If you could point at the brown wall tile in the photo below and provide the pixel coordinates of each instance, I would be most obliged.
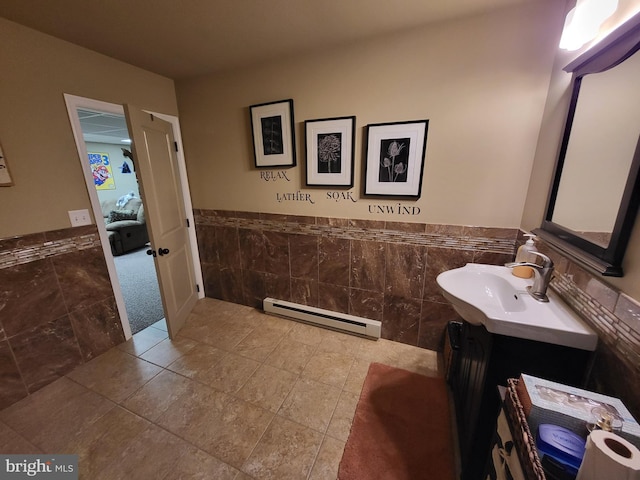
(97, 328)
(12, 387)
(46, 352)
(83, 277)
(333, 297)
(252, 249)
(304, 256)
(333, 261)
(276, 247)
(29, 296)
(440, 260)
(366, 304)
(367, 265)
(401, 319)
(304, 291)
(405, 270)
(228, 246)
(433, 321)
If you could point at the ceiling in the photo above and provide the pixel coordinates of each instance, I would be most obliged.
(103, 127)
(182, 39)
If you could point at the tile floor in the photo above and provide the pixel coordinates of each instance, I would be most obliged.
(238, 395)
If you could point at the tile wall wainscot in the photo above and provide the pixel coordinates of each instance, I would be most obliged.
(374, 269)
(57, 308)
(614, 316)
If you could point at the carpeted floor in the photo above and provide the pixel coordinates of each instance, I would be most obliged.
(401, 429)
(137, 275)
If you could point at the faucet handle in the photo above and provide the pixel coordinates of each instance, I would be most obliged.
(548, 263)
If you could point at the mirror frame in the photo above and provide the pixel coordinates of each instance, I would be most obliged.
(612, 51)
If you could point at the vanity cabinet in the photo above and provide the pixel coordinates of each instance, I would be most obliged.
(479, 362)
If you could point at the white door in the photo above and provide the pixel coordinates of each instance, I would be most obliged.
(154, 151)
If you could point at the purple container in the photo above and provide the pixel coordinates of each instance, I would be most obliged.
(561, 444)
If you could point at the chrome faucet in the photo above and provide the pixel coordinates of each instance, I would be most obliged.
(542, 276)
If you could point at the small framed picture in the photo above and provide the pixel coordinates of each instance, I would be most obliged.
(330, 144)
(394, 158)
(5, 175)
(272, 129)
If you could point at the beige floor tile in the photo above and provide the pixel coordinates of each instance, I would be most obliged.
(225, 335)
(328, 460)
(197, 360)
(273, 322)
(106, 440)
(156, 396)
(340, 424)
(357, 375)
(307, 334)
(234, 430)
(195, 464)
(259, 344)
(149, 455)
(291, 355)
(328, 367)
(168, 351)
(143, 341)
(229, 374)
(268, 387)
(338, 342)
(286, 451)
(311, 404)
(53, 415)
(219, 424)
(115, 374)
(12, 443)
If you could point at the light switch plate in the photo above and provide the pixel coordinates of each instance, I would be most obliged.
(79, 217)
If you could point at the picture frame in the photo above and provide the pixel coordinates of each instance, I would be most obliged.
(5, 174)
(273, 134)
(394, 158)
(330, 147)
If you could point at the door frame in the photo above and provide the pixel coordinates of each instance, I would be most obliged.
(74, 102)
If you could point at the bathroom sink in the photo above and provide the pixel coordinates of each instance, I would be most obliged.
(492, 296)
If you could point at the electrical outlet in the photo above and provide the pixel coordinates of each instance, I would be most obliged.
(79, 217)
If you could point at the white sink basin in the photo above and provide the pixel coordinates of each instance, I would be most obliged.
(492, 296)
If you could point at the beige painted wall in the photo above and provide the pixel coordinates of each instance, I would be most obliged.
(481, 81)
(548, 145)
(35, 132)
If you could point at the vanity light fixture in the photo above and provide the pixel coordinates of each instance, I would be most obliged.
(583, 22)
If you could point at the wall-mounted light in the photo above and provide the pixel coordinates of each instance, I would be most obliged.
(584, 20)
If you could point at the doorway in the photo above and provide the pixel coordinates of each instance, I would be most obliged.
(101, 127)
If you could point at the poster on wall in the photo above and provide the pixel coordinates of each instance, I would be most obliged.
(102, 171)
(272, 129)
(395, 158)
(5, 176)
(330, 144)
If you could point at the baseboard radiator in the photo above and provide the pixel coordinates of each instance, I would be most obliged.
(323, 318)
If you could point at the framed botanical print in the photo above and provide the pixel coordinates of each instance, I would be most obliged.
(394, 158)
(330, 144)
(272, 129)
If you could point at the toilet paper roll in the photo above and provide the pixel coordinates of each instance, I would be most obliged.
(609, 456)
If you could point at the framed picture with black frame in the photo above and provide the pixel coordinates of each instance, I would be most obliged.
(394, 158)
(330, 145)
(273, 134)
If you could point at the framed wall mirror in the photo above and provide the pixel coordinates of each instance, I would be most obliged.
(593, 201)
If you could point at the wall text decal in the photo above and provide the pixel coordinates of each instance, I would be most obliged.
(271, 176)
(296, 196)
(339, 196)
(398, 209)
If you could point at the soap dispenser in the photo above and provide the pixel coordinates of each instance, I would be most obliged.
(524, 255)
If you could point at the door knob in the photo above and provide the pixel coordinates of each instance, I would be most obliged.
(163, 251)
(151, 252)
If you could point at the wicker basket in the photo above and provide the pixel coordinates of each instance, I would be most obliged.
(524, 441)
